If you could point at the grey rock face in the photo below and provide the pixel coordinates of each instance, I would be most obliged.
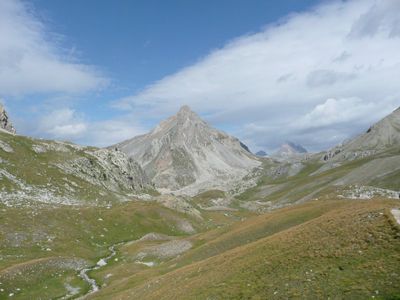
(111, 169)
(380, 136)
(185, 154)
(66, 174)
(5, 123)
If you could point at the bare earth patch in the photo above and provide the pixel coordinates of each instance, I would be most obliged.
(166, 250)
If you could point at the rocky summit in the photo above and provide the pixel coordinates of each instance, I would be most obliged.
(186, 155)
(5, 123)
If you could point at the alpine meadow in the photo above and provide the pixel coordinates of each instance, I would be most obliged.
(199, 149)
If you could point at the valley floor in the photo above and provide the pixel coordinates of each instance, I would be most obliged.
(335, 248)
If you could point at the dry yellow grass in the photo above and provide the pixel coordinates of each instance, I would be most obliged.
(347, 249)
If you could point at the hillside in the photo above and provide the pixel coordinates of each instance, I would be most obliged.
(44, 249)
(324, 249)
(63, 173)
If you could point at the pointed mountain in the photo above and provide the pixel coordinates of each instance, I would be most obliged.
(5, 123)
(382, 135)
(185, 154)
(290, 149)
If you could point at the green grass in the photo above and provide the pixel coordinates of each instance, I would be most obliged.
(84, 233)
(41, 170)
(351, 251)
(305, 184)
(390, 181)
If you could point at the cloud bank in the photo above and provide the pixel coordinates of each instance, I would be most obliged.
(32, 59)
(35, 66)
(315, 77)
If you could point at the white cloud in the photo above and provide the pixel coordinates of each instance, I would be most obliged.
(263, 83)
(32, 60)
(338, 111)
(382, 17)
(319, 78)
(63, 123)
(110, 132)
(326, 124)
(68, 124)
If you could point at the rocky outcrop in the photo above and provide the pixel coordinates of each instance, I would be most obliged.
(39, 172)
(185, 155)
(110, 169)
(5, 123)
(368, 192)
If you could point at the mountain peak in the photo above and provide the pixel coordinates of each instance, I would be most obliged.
(185, 112)
(5, 123)
(184, 154)
(290, 148)
(185, 109)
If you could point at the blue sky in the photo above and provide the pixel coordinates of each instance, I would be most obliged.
(98, 72)
(139, 42)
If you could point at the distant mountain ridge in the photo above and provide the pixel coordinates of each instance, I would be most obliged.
(290, 148)
(185, 154)
(261, 153)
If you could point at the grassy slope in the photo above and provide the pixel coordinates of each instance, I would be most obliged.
(39, 168)
(306, 185)
(206, 244)
(351, 250)
(37, 239)
(84, 233)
